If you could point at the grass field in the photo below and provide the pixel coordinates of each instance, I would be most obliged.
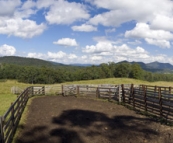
(6, 97)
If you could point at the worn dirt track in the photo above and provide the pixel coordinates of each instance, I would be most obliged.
(57, 119)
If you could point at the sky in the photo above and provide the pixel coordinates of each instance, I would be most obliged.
(87, 31)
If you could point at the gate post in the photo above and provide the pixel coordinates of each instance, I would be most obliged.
(160, 101)
(1, 130)
(123, 94)
(119, 94)
(62, 90)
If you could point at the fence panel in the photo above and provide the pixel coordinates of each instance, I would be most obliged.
(9, 121)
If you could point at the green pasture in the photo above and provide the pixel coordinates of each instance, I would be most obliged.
(6, 97)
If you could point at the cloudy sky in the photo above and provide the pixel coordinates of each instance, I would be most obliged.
(87, 31)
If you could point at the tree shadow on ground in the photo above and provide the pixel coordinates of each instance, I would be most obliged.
(74, 126)
(94, 124)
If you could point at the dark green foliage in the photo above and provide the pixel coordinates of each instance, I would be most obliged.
(136, 71)
(45, 74)
(122, 70)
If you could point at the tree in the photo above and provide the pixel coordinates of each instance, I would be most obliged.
(136, 71)
(105, 68)
(122, 70)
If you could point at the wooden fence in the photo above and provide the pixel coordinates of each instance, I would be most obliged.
(9, 121)
(155, 100)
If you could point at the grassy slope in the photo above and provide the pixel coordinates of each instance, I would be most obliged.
(122, 81)
(6, 97)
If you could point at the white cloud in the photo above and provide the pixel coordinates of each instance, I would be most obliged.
(60, 57)
(66, 42)
(162, 22)
(98, 48)
(110, 30)
(84, 28)
(36, 55)
(44, 3)
(27, 9)
(136, 42)
(72, 56)
(8, 7)
(57, 55)
(96, 58)
(121, 11)
(28, 4)
(110, 52)
(160, 43)
(63, 12)
(155, 37)
(21, 28)
(143, 30)
(7, 50)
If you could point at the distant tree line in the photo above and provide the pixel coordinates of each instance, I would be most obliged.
(50, 75)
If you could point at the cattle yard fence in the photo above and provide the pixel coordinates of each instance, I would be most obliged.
(155, 100)
(10, 120)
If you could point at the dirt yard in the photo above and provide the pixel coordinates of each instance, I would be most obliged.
(57, 119)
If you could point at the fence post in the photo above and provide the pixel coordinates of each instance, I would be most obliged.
(119, 94)
(77, 90)
(1, 130)
(170, 90)
(32, 91)
(43, 90)
(160, 101)
(123, 94)
(97, 92)
(132, 94)
(145, 97)
(12, 120)
(109, 94)
(62, 90)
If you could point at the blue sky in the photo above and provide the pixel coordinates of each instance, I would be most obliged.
(87, 31)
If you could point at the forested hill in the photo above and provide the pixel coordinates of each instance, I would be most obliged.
(154, 66)
(30, 70)
(27, 61)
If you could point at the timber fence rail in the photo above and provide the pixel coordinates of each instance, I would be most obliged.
(155, 100)
(10, 120)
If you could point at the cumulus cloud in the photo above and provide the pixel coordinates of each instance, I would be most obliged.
(64, 12)
(66, 42)
(36, 55)
(160, 43)
(8, 7)
(59, 56)
(21, 28)
(109, 51)
(84, 28)
(44, 3)
(7, 50)
(156, 37)
(98, 48)
(162, 22)
(118, 9)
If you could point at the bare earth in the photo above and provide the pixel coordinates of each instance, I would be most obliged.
(57, 119)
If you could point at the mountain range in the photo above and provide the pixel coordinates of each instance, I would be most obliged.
(152, 67)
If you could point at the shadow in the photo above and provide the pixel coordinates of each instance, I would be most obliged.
(66, 136)
(41, 134)
(83, 126)
(98, 125)
(33, 135)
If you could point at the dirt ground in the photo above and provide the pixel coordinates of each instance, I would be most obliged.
(57, 119)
